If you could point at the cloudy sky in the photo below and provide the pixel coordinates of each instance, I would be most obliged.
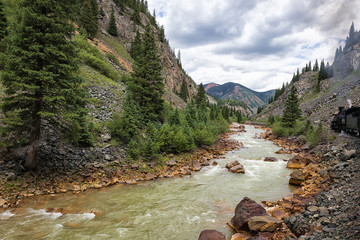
(257, 43)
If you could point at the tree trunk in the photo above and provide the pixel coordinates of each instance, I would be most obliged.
(31, 160)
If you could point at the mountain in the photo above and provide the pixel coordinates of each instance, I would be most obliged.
(321, 102)
(239, 92)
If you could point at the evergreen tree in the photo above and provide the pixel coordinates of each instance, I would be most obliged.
(40, 76)
(136, 16)
(201, 96)
(292, 110)
(351, 39)
(125, 127)
(162, 34)
(112, 29)
(3, 23)
(309, 66)
(136, 46)
(147, 84)
(322, 73)
(316, 66)
(175, 118)
(184, 92)
(88, 17)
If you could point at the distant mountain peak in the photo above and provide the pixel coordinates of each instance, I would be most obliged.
(236, 91)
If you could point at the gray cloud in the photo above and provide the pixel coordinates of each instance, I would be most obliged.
(246, 41)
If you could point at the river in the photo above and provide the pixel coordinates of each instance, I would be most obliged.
(177, 208)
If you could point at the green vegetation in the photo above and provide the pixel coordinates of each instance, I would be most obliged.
(117, 45)
(184, 92)
(112, 29)
(292, 111)
(92, 57)
(40, 77)
(89, 17)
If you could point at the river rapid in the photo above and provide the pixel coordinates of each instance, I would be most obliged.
(177, 208)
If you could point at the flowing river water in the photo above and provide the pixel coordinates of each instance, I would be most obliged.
(177, 208)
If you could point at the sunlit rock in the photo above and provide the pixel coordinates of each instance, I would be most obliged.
(263, 223)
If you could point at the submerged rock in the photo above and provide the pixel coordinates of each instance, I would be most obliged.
(211, 235)
(246, 209)
(270, 159)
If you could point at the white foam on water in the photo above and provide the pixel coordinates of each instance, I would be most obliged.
(193, 219)
(148, 215)
(82, 216)
(6, 215)
(210, 220)
(42, 212)
(122, 231)
(213, 171)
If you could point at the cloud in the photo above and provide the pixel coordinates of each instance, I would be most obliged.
(257, 43)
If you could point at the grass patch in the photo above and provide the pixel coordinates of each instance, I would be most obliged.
(118, 47)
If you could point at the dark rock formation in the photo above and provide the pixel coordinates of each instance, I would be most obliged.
(246, 209)
(211, 235)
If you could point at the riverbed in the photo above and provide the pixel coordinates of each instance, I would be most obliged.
(176, 208)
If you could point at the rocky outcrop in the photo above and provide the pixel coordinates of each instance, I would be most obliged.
(264, 223)
(211, 235)
(246, 209)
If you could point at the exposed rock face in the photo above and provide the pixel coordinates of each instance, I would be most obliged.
(263, 223)
(211, 235)
(246, 209)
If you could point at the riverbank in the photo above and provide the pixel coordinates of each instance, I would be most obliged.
(325, 206)
(51, 183)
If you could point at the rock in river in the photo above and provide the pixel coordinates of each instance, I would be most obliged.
(270, 159)
(211, 235)
(237, 169)
(246, 209)
(296, 178)
(232, 164)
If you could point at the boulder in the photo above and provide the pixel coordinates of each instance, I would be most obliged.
(270, 159)
(232, 164)
(246, 209)
(281, 151)
(171, 162)
(237, 169)
(297, 162)
(211, 235)
(297, 177)
(239, 236)
(196, 166)
(263, 223)
(215, 163)
(185, 171)
(2, 202)
(279, 213)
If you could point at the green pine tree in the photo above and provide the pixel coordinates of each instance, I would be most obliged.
(147, 84)
(136, 16)
(89, 17)
(3, 22)
(184, 92)
(40, 75)
(136, 46)
(292, 111)
(112, 29)
(201, 96)
(316, 66)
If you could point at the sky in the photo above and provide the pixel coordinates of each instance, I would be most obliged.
(257, 43)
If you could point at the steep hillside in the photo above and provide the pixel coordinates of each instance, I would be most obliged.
(238, 92)
(126, 28)
(334, 92)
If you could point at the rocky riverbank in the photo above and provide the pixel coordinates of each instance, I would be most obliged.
(325, 206)
(50, 182)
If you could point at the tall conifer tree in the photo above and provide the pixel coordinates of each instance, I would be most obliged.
(40, 74)
(112, 29)
(184, 92)
(89, 17)
(147, 84)
(292, 110)
(3, 22)
(136, 46)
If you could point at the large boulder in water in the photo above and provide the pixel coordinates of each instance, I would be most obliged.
(232, 164)
(237, 169)
(246, 209)
(211, 235)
